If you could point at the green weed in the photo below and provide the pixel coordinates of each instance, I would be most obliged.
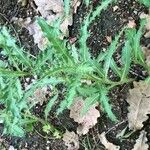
(62, 63)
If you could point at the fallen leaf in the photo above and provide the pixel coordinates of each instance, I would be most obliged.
(49, 6)
(53, 9)
(11, 148)
(109, 39)
(75, 4)
(39, 96)
(147, 54)
(147, 27)
(71, 140)
(141, 142)
(131, 24)
(106, 143)
(85, 121)
(139, 101)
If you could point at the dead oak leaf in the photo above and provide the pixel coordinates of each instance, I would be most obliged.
(141, 142)
(139, 101)
(71, 140)
(85, 121)
(106, 143)
(147, 27)
(131, 24)
(39, 96)
(146, 52)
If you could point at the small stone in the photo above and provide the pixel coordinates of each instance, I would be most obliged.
(115, 8)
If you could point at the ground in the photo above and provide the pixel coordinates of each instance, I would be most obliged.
(107, 25)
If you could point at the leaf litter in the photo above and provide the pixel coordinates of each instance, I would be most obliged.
(71, 140)
(139, 101)
(85, 121)
(141, 142)
(53, 9)
(139, 96)
(106, 143)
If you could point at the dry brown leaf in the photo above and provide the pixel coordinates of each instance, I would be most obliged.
(147, 54)
(23, 2)
(49, 6)
(139, 101)
(53, 9)
(86, 121)
(71, 140)
(141, 142)
(11, 148)
(39, 96)
(131, 24)
(107, 144)
(109, 39)
(147, 16)
(75, 4)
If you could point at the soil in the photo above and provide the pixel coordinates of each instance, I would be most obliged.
(108, 24)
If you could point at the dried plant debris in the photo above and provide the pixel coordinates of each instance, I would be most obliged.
(39, 96)
(23, 2)
(141, 142)
(147, 54)
(71, 140)
(139, 101)
(85, 121)
(106, 143)
(53, 9)
(147, 27)
(12, 148)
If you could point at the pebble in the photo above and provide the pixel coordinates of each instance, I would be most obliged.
(115, 8)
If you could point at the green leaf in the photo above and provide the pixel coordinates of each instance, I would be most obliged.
(126, 60)
(145, 2)
(101, 57)
(115, 68)
(67, 7)
(134, 38)
(89, 102)
(42, 57)
(87, 91)
(49, 105)
(104, 101)
(87, 2)
(11, 49)
(39, 84)
(75, 54)
(99, 9)
(58, 44)
(110, 52)
(62, 107)
(8, 73)
(84, 50)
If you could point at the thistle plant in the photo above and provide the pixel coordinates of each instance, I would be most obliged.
(62, 63)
